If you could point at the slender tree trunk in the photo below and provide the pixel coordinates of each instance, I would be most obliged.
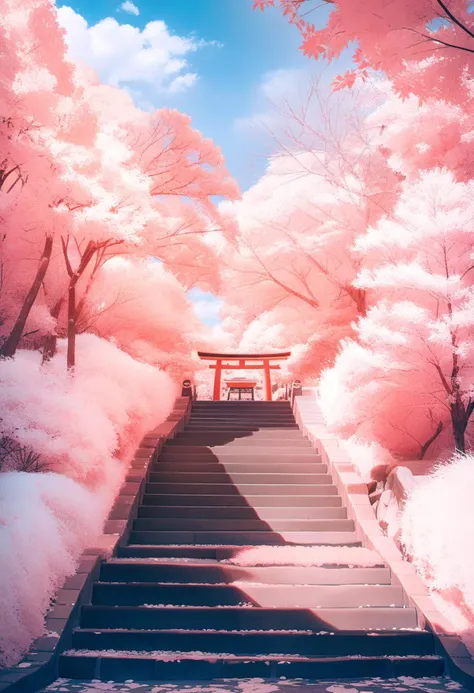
(71, 325)
(50, 341)
(430, 440)
(11, 344)
(74, 277)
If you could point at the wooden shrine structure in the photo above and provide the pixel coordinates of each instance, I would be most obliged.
(244, 362)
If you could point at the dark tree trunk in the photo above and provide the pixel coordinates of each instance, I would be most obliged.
(460, 415)
(459, 428)
(13, 340)
(50, 341)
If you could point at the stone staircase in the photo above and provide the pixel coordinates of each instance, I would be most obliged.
(193, 595)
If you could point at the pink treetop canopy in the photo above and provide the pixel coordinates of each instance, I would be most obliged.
(425, 47)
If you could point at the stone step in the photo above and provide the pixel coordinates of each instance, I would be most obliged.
(182, 554)
(231, 467)
(224, 573)
(216, 438)
(248, 538)
(223, 512)
(250, 452)
(260, 595)
(169, 666)
(286, 428)
(251, 500)
(244, 455)
(252, 418)
(242, 425)
(237, 478)
(253, 433)
(238, 643)
(192, 524)
(240, 489)
(235, 618)
(197, 441)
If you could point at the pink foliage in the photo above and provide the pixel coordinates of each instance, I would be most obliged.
(410, 367)
(78, 424)
(424, 47)
(37, 555)
(137, 303)
(289, 271)
(438, 529)
(86, 429)
(86, 171)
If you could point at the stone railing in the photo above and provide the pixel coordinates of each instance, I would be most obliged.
(459, 662)
(38, 668)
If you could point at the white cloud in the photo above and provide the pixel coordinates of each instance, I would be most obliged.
(275, 87)
(129, 7)
(125, 55)
(182, 82)
(207, 311)
(206, 306)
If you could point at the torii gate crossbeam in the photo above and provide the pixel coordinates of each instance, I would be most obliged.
(243, 362)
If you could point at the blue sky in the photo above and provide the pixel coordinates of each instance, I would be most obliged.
(217, 60)
(244, 52)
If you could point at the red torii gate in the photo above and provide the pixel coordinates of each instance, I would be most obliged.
(239, 362)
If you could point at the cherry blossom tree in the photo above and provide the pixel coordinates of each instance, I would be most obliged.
(409, 375)
(81, 185)
(292, 262)
(30, 209)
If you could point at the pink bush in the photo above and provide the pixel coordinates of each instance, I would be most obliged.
(437, 528)
(85, 427)
(46, 521)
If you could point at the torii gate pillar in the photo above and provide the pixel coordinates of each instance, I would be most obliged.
(217, 381)
(243, 362)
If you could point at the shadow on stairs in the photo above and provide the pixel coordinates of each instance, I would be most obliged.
(243, 563)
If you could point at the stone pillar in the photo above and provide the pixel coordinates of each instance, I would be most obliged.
(296, 389)
(187, 389)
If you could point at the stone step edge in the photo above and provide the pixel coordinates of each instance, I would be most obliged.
(322, 634)
(226, 608)
(135, 654)
(215, 666)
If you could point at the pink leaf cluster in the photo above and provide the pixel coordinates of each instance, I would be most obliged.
(425, 47)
